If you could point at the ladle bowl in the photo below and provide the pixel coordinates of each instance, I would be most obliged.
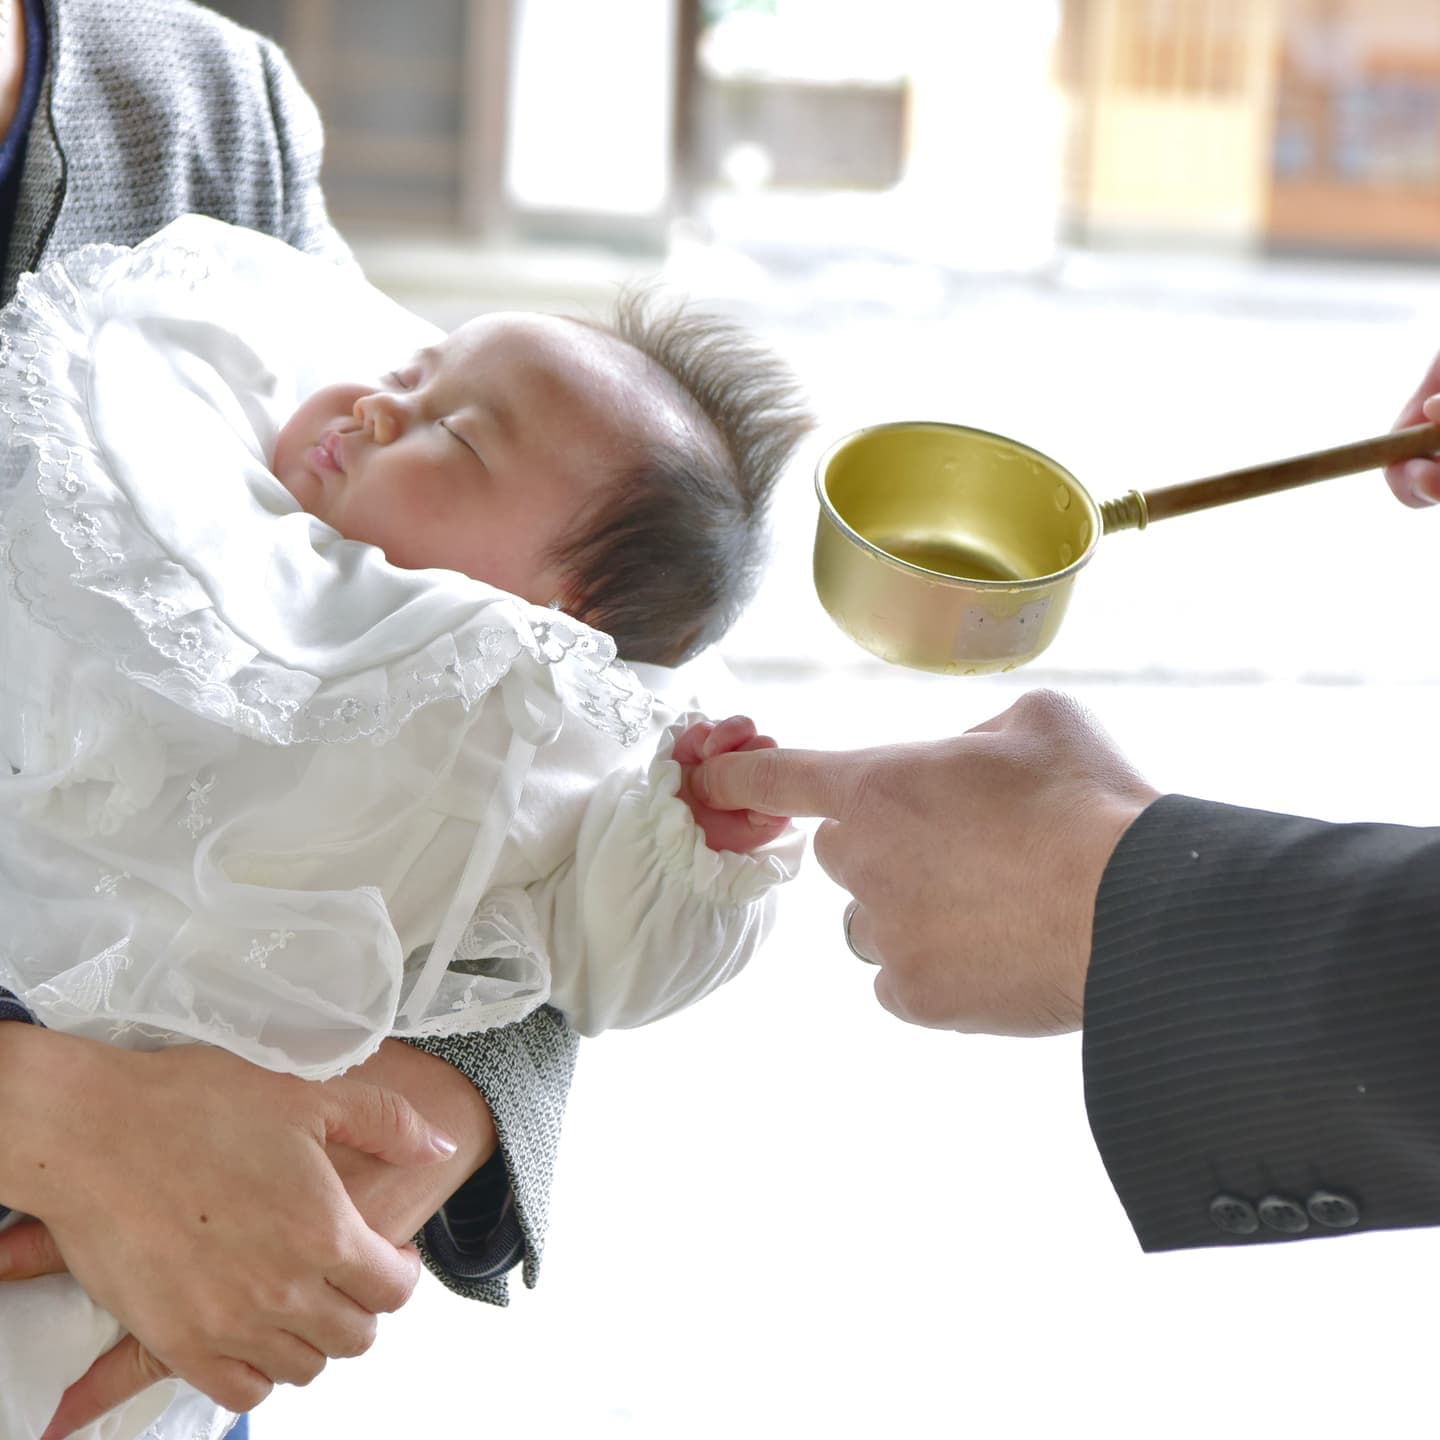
(950, 549)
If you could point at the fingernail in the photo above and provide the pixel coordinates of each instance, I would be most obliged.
(759, 820)
(1431, 408)
(444, 1145)
(1426, 486)
(698, 786)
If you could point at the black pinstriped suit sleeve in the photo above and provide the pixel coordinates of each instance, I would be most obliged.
(1262, 1018)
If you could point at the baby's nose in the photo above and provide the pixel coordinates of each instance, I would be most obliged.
(380, 417)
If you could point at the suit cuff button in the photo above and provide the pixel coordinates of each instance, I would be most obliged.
(1233, 1215)
(1336, 1212)
(1276, 1212)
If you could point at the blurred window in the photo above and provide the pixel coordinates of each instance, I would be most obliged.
(389, 81)
(1182, 46)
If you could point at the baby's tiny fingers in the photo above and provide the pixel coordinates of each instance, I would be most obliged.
(729, 735)
(765, 828)
(689, 744)
(759, 742)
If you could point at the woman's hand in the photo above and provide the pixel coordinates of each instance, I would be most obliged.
(190, 1193)
(397, 1201)
(740, 830)
(1417, 482)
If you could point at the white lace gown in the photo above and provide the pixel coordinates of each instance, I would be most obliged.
(262, 790)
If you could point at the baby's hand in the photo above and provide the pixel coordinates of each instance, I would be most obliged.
(741, 830)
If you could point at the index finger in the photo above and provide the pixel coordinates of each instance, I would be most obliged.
(782, 782)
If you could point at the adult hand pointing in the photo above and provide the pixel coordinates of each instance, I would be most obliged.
(974, 861)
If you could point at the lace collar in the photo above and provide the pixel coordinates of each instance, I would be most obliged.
(128, 579)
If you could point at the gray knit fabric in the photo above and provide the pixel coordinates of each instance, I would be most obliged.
(155, 108)
(524, 1071)
(152, 108)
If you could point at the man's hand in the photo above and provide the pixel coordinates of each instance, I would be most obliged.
(191, 1195)
(975, 861)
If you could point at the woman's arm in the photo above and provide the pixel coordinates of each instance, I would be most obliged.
(396, 1202)
(498, 1218)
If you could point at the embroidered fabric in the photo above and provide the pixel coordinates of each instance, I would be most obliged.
(186, 659)
(179, 642)
(501, 954)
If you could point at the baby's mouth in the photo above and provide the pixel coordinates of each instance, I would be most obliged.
(328, 454)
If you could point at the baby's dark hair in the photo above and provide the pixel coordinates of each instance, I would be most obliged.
(672, 554)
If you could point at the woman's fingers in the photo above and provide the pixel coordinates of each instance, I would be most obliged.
(129, 1368)
(27, 1250)
(379, 1277)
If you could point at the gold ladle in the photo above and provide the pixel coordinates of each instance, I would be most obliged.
(950, 549)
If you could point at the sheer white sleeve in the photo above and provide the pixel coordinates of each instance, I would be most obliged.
(646, 918)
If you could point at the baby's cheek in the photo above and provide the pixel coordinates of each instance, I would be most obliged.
(293, 475)
(282, 458)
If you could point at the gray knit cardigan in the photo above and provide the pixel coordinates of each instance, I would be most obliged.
(152, 108)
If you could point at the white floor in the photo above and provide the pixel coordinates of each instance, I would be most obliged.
(783, 1213)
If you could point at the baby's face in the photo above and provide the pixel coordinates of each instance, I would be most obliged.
(478, 454)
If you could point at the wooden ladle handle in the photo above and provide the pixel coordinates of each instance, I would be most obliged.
(1137, 508)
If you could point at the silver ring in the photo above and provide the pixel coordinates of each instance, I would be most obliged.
(850, 910)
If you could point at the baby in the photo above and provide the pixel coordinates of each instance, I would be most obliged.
(310, 733)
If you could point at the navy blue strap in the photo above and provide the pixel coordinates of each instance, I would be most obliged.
(476, 1235)
(12, 146)
(12, 1009)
